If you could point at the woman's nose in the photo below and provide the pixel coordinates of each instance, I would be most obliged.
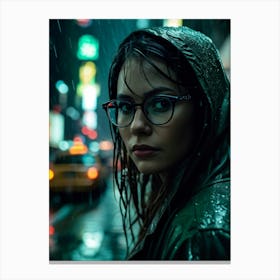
(139, 123)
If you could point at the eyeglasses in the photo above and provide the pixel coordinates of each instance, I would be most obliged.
(157, 109)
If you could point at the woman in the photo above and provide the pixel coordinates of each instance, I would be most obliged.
(169, 109)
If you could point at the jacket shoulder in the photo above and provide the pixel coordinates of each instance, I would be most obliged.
(211, 207)
(201, 229)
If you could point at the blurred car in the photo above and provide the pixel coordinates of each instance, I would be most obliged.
(77, 171)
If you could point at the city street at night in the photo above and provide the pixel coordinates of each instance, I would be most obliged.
(87, 230)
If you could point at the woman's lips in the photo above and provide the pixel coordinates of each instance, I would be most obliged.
(143, 151)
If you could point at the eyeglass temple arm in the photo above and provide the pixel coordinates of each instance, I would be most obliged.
(186, 97)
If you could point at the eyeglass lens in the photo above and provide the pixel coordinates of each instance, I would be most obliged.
(158, 110)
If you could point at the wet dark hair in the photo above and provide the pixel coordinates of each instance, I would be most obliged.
(146, 46)
(136, 208)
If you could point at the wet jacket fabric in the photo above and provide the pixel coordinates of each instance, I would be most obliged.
(194, 221)
(198, 231)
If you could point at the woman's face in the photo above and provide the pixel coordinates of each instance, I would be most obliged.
(154, 148)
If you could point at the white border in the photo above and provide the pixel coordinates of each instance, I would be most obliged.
(24, 138)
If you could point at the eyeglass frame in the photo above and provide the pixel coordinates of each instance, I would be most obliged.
(172, 98)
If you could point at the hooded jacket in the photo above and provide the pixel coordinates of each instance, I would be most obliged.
(194, 221)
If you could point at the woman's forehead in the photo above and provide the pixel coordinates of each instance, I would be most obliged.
(138, 72)
(142, 65)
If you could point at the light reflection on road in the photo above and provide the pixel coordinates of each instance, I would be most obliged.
(88, 232)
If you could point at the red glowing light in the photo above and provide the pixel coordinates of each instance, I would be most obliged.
(51, 230)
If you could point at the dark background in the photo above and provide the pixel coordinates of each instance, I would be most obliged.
(64, 64)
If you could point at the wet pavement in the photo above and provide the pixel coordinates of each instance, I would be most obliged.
(87, 231)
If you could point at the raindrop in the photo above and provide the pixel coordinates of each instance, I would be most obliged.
(59, 27)
(54, 49)
(73, 85)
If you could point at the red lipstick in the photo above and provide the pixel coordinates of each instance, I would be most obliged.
(144, 151)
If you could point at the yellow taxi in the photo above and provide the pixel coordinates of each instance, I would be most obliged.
(77, 170)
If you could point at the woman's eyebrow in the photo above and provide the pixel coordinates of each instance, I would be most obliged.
(124, 96)
(149, 93)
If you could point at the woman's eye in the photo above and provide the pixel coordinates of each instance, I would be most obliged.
(160, 104)
(125, 108)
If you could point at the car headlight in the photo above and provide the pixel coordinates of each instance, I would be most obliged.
(92, 173)
(51, 174)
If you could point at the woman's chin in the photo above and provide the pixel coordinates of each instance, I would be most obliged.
(147, 169)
